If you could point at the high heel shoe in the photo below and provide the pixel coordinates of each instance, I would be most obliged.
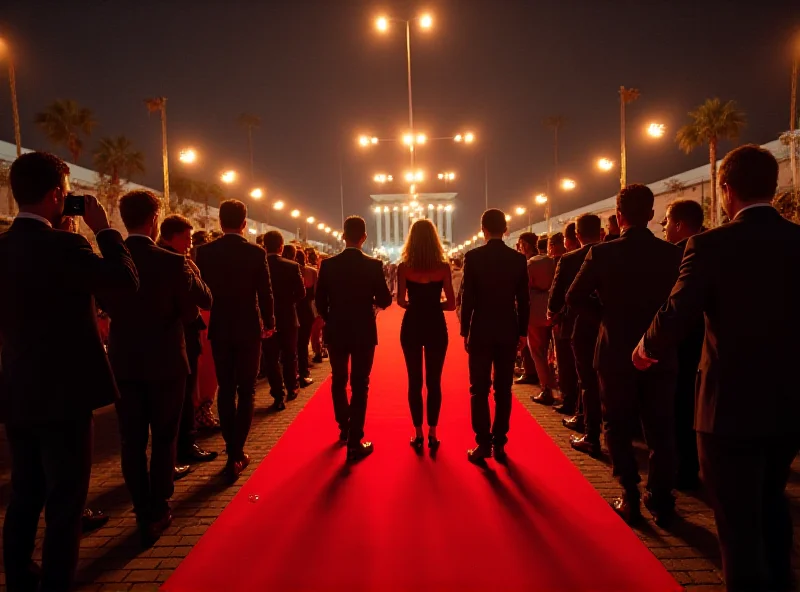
(417, 443)
(433, 443)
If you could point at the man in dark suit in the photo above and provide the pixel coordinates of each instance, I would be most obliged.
(746, 403)
(562, 338)
(280, 350)
(613, 231)
(175, 235)
(684, 219)
(147, 351)
(584, 333)
(241, 316)
(350, 287)
(54, 368)
(494, 323)
(632, 277)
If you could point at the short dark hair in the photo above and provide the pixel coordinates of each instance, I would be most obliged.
(289, 252)
(273, 241)
(556, 239)
(688, 212)
(589, 226)
(635, 202)
(300, 257)
(33, 175)
(494, 221)
(529, 238)
(311, 255)
(751, 172)
(570, 231)
(174, 224)
(137, 207)
(612, 219)
(199, 237)
(232, 214)
(354, 229)
(541, 244)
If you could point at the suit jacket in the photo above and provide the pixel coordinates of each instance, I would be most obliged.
(146, 341)
(748, 299)
(349, 286)
(588, 322)
(54, 366)
(236, 271)
(287, 290)
(690, 348)
(495, 305)
(632, 277)
(541, 270)
(192, 330)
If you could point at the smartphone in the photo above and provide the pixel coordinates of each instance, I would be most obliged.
(74, 205)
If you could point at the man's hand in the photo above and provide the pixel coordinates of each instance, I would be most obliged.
(67, 223)
(95, 215)
(640, 360)
(466, 344)
(523, 343)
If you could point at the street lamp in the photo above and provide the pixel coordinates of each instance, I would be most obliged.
(321, 226)
(367, 140)
(228, 177)
(257, 193)
(327, 230)
(187, 156)
(540, 199)
(381, 178)
(414, 177)
(568, 184)
(605, 164)
(656, 130)
(278, 205)
(295, 213)
(467, 138)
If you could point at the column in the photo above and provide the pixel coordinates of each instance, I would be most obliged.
(396, 218)
(378, 220)
(440, 221)
(406, 214)
(388, 225)
(449, 216)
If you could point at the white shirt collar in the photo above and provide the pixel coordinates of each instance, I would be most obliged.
(30, 216)
(752, 206)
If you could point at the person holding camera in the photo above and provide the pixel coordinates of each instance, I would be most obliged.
(147, 349)
(55, 370)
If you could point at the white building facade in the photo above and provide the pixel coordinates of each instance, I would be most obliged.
(394, 213)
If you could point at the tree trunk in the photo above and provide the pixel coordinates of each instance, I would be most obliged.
(714, 206)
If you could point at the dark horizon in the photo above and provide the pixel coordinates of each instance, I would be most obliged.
(318, 75)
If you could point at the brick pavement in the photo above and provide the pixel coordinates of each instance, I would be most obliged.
(112, 560)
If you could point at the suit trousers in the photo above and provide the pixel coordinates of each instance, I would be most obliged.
(51, 464)
(434, 355)
(629, 397)
(303, 339)
(583, 345)
(528, 365)
(538, 344)
(236, 366)
(567, 373)
(280, 356)
(186, 429)
(483, 358)
(685, 436)
(146, 407)
(353, 362)
(746, 482)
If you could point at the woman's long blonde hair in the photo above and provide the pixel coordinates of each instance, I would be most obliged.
(423, 250)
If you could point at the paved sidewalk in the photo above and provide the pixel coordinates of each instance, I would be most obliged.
(112, 560)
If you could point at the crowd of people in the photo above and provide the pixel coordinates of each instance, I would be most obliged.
(687, 342)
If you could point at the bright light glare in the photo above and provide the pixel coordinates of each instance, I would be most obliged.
(426, 22)
(335, 234)
(187, 156)
(320, 226)
(448, 208)
(414, 177)
(414, 204)
(295, 213)
(468, 242)
(459, 138)
(541, 199)
(656, 130)
(367, 140)
(408, 139)
(604, 164)
(382, 23)
(421, 138)
(257, 193)
(328, 229)
(474, 238)
(519, 211)
(310, 219)
(469, 137)
(378, 209)
(278, 205)
(568, 184)
(228, 177)
(481, 235)
(508, 217)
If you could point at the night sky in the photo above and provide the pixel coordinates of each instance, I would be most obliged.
(318, 74)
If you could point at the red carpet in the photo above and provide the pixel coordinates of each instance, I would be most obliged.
(397, 521)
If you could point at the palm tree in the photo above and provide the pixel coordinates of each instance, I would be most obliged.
(115, 158)
(198, 192)
(160, 104)
(711, 122)
(555, 122)
(64, 122)
(249, 122)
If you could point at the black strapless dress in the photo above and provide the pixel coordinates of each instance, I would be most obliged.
(423, 322)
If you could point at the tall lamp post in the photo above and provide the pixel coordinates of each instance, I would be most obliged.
(160, 104)
(12, 82)
(626, 95)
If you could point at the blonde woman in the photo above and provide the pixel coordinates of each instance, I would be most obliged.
(421, 276)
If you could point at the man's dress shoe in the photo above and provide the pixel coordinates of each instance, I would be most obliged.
(291, 397)
(91, 520)
(661, 507)
(499, 453)
(564, 409)
(306, 381)
(278, 405)
(195, 454)
(543, 398)
(525, 379)
(235, 468)
(479, 454)
(180, 472)
(627, 509)
(574, 423)
(585, 445)
(362, 450)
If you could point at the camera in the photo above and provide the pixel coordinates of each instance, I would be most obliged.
(74, 205)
